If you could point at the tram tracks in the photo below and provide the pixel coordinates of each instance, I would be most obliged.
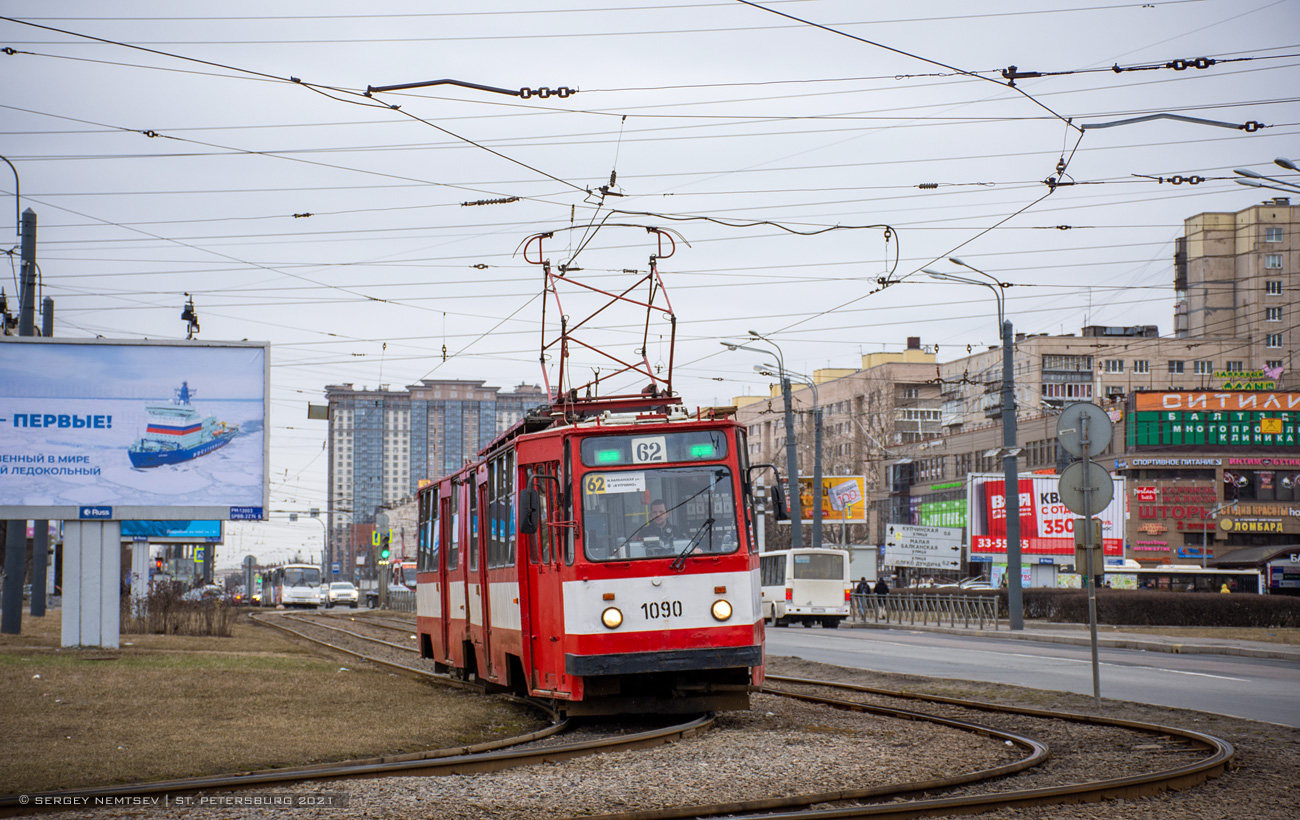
(1072, 777)
(1057, 754)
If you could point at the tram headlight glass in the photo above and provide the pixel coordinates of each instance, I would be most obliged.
(721, 610)
(612, 617)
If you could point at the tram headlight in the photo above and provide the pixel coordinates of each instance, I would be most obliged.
(611, 617)
(721, 610)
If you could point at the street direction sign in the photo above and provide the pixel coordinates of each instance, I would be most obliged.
(1094, 477)
(907, 545)
(1079, 420)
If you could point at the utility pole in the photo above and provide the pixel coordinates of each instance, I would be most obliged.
(1011, 480)
(792, 469)
(11, 613)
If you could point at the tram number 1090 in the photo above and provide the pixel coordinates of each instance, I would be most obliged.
(661, 609)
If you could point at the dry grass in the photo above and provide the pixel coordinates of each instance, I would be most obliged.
(1285, 636)
(169, 706)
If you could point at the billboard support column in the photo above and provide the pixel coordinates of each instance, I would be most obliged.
(40, 563)
(140, 554)
(11, 619)
(92, 577)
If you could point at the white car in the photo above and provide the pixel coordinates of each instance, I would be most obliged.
(341, 592)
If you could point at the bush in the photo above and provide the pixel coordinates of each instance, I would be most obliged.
(165, 612)
(1122, 607)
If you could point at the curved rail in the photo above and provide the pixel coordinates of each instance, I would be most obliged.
(1221, 755)
(478, 758)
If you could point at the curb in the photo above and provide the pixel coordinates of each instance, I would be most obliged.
(1283, 652)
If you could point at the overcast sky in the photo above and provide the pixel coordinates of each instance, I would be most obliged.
(180, 157)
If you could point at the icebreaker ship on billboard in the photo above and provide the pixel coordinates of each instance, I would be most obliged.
(149, 429)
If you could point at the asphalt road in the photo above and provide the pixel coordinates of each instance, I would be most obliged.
(1251, 688)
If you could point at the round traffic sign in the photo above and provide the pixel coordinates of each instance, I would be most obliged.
(1083, 420)
(1088, 475)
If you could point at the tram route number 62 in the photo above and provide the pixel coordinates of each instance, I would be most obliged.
(649, 450)
(661, 609)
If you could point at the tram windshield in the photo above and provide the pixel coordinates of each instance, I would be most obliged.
(658, 513)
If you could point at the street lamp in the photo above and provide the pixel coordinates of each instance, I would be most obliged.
(791, 459)
(817, 448)
(1255, 180)
(1011, 478)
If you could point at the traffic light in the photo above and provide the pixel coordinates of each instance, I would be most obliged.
(383, 547)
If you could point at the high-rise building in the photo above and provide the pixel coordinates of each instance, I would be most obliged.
(1237, 276)
(383, 442)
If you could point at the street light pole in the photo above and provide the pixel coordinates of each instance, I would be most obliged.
(791, 458)
(1010, 468)
(817, 456)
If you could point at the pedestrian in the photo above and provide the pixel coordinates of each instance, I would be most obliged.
(881, 587)
(1224, 589)
(863, 587)
(881, 590)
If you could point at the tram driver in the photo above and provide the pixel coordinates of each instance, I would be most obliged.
(658, 528)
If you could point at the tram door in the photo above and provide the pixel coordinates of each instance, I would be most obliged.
(447, 561)
(545, 590)
(480, 618)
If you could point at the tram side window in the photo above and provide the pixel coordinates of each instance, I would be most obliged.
(508, 505)
(453, 543)
(539, 544)
(747, 501)
(497, 519)
(428, 530)
(472, 544)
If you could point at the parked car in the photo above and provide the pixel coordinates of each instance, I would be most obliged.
(341, 592)
(210, 592)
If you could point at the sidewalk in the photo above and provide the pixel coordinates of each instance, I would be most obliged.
(1109, 637)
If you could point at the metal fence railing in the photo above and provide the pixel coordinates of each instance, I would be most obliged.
(401, 601)
(942, 610)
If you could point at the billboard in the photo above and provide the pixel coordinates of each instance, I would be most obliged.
(181, 532)
(843, 498)
(1046, 526)
(123, 430)
(1198, 419)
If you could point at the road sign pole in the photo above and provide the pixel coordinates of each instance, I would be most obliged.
(1084, 439)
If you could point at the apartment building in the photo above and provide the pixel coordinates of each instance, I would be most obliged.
(383, 442)
(1237, 275)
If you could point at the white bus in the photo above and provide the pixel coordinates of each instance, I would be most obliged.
(291, 585)
(807, 586)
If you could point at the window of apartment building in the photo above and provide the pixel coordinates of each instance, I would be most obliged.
(1273, 261)
(1079, 391)
(1234, 367)
(1273, 287)
(1141, 366)
(1202, 367)
(1175, 366)
(1113, 365)
(1273, 234)
(920, 415)
(1114, 391)
(1273, 364)
(911, 392)
(1273, 340)
(1273, 314)
(1063, 362)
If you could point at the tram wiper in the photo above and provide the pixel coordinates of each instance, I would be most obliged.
(680, 560)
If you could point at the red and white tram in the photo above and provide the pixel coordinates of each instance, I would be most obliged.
(607, 563)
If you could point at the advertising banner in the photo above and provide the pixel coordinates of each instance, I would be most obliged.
(126, 430)
(1189, 419)
(843, 498)
(181, 532)
(1046, 526)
